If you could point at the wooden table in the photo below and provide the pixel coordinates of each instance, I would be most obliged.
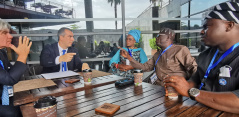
(61, 88)
(141, 101)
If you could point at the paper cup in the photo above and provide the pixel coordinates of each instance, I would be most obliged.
(87, 75)
(138, 75)
(46, 107)
(172, 93)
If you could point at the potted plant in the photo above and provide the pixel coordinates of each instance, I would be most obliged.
(153, 45)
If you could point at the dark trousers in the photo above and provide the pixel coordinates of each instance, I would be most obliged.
(9, 110)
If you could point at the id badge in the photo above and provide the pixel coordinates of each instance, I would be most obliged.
(127, 62)
(153, 78)
(10, 91)
(225, 71)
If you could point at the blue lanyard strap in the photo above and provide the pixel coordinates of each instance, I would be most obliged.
(211, 65)
(161, 55)
(130, 52)
(1, 63)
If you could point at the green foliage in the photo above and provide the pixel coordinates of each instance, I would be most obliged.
(152, 43)
(96, 44)
(138, 44)
(74, 27)
(106, 43)
(189, 42)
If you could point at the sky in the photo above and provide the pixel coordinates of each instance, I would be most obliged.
(103, 9)
(133, 8)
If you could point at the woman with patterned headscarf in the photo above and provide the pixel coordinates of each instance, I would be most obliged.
(120, 65)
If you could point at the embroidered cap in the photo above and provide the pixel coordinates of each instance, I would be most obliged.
(167, 31)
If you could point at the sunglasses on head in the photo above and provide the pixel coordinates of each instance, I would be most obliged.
(159, 35)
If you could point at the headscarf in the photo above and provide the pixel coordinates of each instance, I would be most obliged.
(136, 34)
(228, 11)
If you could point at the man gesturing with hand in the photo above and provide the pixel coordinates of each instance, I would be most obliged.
(60, 57)
(11, 74)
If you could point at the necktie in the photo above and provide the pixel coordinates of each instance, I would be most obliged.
(5, 96)
(63, 63)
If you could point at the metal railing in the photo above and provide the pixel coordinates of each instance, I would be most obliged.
(44, 6)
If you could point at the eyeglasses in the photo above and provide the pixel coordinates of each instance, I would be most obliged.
(129, 39)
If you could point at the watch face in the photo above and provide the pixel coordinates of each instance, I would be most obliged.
(194, 92)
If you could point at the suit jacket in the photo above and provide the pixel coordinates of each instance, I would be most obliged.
(11, 74)
(49, 54)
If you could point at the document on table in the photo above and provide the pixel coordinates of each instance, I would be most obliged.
(59, 74)
(26, 85)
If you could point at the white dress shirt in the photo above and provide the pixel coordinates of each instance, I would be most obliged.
(57, 58)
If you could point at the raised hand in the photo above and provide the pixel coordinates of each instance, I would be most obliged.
(23, 49)
(66, 57)
(122, 67)
(124, 53)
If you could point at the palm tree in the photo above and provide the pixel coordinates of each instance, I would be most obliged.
(115, 2)
(89, 24)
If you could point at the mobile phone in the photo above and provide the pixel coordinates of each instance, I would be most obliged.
(124, 82)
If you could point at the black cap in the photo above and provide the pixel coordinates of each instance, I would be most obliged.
(87, 70)
(45, 102)
(138, 71)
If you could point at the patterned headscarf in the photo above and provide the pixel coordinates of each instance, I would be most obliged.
(228, 11)
(136, 34)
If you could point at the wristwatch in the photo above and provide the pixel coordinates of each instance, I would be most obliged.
(193, 93)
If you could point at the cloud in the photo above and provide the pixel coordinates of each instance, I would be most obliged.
(103, 9)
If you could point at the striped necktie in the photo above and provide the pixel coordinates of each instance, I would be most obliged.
(5, 96)
(63, 63)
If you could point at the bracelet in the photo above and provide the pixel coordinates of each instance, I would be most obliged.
(117, 65)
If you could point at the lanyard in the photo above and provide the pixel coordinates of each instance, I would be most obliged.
(211, 65)
(161, 55)
(1, 63)
(130, 52)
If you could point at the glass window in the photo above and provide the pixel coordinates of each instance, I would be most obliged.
(200, 5)
(95, 21)
(184, 10)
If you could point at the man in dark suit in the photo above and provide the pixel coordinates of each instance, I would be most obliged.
(11, 74)
(59, 57)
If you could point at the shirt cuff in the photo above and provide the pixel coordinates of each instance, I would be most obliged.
(57, 60)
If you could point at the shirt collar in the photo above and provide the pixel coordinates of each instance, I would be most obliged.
(60, 49)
